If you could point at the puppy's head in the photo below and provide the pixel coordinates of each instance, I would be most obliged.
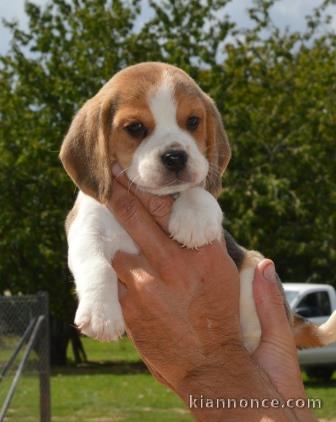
(152, 119)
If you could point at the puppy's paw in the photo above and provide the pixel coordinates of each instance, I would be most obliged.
(196, 219)
(102, 321)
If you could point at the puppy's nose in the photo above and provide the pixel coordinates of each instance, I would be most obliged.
(174, 160)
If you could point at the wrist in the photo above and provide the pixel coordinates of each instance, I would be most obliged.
(215, 389)
(210, 376)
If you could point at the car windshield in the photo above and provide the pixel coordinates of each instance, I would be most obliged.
(291, 295)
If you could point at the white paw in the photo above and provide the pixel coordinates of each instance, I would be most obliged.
(100, 320)
(196, 219)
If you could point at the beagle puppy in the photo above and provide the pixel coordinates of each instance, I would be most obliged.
(168, 136)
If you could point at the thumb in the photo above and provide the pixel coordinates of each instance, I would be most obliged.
(270, 301)
(276, 353)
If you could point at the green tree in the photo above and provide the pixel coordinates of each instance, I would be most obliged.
(280, 111)
(274, 88)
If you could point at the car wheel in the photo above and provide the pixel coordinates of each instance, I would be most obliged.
(321, 373)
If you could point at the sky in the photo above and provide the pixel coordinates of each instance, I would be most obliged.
(285, 13)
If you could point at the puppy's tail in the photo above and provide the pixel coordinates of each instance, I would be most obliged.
(309, 335)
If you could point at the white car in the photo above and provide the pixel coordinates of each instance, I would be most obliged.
(315, 302)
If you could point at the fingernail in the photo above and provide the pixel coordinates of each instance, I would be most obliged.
(269, 272)
(116, 169)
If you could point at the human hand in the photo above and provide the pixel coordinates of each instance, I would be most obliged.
(170, 297)
(185, 301)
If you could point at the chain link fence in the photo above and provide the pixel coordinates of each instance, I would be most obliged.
(24, 358)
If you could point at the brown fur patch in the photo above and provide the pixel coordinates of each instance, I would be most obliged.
(192, 106)
(218, 148)
(85, 151)
(190, 102)
(210, 136)
(306, 333)
(123, 144)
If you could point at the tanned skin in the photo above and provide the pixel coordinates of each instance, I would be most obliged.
(182, 313)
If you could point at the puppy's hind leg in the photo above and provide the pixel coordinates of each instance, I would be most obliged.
(307, 334)
(249, 320)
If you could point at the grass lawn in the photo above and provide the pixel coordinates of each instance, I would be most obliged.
(115, 386)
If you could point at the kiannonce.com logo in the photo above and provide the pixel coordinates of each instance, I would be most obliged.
(203, 402)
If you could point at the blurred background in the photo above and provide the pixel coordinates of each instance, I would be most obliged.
(270, 65)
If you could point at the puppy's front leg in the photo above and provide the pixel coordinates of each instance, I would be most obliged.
(99, 313)
(196, 218)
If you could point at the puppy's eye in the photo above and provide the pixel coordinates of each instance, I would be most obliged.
(193, 123)
(136, 129)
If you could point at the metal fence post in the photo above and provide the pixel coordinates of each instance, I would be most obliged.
(44, 359)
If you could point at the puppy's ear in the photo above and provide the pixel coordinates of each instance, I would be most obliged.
(86, 152)
(218, 148)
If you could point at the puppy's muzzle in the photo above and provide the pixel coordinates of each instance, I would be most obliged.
(174, 160)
